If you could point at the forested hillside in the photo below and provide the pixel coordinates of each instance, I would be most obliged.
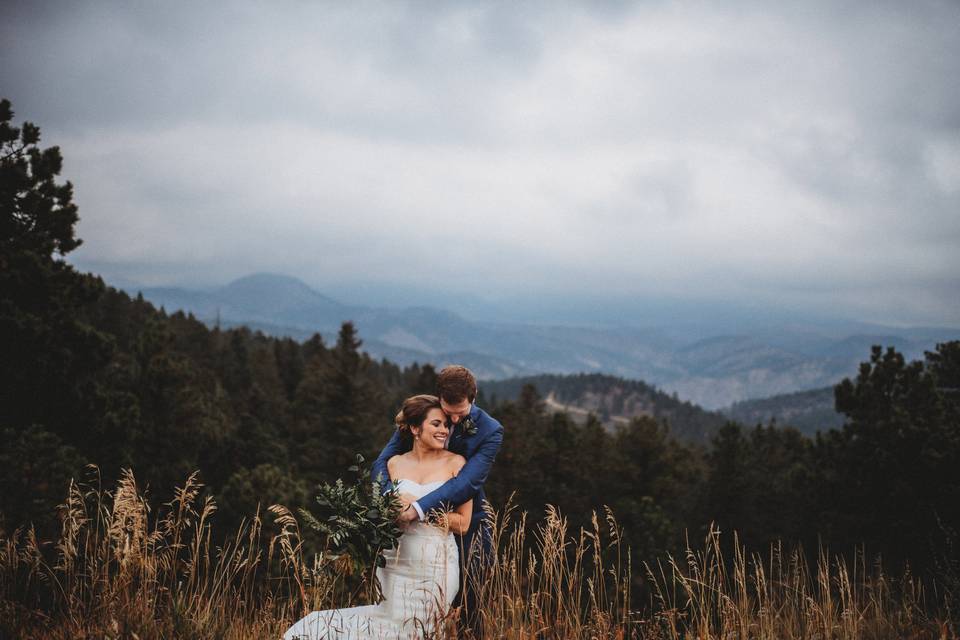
(806, 411)
(614, 401)
(90, 375)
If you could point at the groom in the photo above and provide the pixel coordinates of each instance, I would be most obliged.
(477, 437)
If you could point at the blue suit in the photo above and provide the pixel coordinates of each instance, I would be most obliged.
(479, 449)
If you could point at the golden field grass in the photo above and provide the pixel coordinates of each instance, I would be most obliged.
(119, 570)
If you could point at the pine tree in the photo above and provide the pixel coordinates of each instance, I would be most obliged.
(52, 358)
(730, 491)
(48, 354)
(901, 448)
(349, 408)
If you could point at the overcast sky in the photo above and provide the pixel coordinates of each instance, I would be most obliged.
(804, 157)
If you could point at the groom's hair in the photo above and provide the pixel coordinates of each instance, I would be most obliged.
(456, 384)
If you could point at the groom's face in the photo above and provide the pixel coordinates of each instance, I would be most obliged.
(456, 411)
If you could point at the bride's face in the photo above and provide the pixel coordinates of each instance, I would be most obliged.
(433, 431)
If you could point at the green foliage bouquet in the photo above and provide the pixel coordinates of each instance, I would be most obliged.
(356, 520)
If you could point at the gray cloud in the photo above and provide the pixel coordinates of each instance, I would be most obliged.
(805, 156)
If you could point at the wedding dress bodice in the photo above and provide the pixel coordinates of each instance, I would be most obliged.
(415, 488)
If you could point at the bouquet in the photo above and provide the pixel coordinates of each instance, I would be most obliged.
(357, 521)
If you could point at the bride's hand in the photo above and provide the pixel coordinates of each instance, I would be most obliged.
(407, 516)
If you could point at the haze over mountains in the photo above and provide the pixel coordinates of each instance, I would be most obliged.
(711, 359)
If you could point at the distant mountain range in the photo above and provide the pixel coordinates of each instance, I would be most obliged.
(714, 371)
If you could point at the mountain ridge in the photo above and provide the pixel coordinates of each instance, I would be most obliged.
(714, 371)
(612, 400)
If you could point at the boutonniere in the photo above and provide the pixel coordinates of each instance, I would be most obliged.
(469, 426)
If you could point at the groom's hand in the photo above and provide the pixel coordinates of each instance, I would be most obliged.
(408, 516)
(407, 499)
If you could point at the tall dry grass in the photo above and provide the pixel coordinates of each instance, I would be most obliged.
(118, 570)
(781, 597)
(549, 582)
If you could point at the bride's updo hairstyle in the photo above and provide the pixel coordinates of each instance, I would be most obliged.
(414, 412)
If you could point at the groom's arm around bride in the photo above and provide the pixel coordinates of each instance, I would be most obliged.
(475, 435)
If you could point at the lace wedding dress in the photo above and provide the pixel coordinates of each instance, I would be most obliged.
(419, 581)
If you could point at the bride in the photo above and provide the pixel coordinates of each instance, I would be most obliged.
(422, 574)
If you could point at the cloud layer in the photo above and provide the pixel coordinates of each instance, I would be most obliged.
(806, 157)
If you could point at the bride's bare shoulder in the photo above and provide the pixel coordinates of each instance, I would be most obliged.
(394, 464)
(455, 462)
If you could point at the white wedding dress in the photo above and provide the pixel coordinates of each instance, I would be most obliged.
(419, 581)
